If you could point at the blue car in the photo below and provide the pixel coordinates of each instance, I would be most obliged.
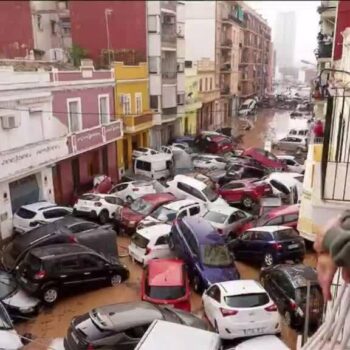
(199, 244)
(268, 245)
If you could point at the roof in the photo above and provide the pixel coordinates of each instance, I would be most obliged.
(285, 210)
(269, 228)
(190, 180)
(241, 287)
(159, 230)
(39, 205)
(165, 272)
(177, 205)
(298, 274)
(155, 157)
(158, 197)
(59, 249)
(224, 209)
(203, 230)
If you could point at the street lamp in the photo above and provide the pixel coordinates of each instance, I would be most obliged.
(108, 12)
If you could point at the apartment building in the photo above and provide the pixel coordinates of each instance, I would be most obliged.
(166, 57)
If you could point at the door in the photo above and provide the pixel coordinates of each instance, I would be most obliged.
(260, 244)
(93, 269)
(211, 303)
(113, 204)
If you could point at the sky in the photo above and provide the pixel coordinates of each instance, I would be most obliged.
(307, 23)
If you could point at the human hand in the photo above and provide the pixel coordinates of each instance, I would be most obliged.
(325, 272)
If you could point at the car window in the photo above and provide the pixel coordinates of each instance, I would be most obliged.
(193, 244)
(214, 292)
(162, 240)
(89, 261)
(233, 218)
(290, 162)
(263, 236)
(252, 172)
(290, 218)
(83, 226)
(241, 214)
(220, 160)
(285, 234)
(247, 300)
(55, 213)
(233, 185)
(198, 194)
(90, 197)
(25, 213)
(284, 284)
(69, 264)
(136, 332)
(111, 200)
(154, 152)
(142, 165)
(275, 221)
(184, 187)
(139, 240)
(246, 236)
(194, 210)
(182, 214)
(216, 255)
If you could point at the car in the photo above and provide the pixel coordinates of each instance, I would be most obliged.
(208, 161)
(198, 243)
(245, 192)
(286, 215)
(287, 286)
(268, 245)
(261, 342)
(238, 309)
(183, 139)
(165, 282)
(18, 303)
(247, 107)
(150, 243)
(183, 186)
(9, 338)
(299, 132)
(70, 229)
(48, 271)
(98, 206)
(129, 217)
(142, 151)
(129, 191)
(33, 215)
(265, 158)
(228, 221)
(184, 146)
(292, 164)
(121, 325)
(291, 143)
(219, 145)
(169, 212)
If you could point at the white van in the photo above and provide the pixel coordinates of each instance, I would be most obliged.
(173, 336)
(247, 107)
(155, 166)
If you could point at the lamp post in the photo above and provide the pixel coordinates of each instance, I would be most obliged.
(108, 12)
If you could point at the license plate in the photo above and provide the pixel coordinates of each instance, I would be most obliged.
(253, 331)
(75, 338)
(292, 246)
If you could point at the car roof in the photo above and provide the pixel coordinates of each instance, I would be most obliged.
(158, 197)
(177, 205)
(284, 210)
(158, 230)
(203, 230)
(238, 287)
(127, 315)
(155, 157)
(165, 272)
(269, 228)
(223, 209)
(37, 206)
(190, 181)
(59, 249)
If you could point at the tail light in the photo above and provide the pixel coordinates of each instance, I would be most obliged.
(148, 250)
(293, 305)
(277, 246)
(98, 204)
(40, 275)
(271, 308)
(228, 312)
(72, 239)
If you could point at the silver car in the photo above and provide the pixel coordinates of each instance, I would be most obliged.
(292, 143)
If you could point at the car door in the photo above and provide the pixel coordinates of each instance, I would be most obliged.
(93, 269)
(211, 302)
(283, 144)
(241, 245)
(161, 247)
(113, 204)
(68, 271)
(260, 245)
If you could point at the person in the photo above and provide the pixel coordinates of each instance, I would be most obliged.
(318, 129)
(333, 249)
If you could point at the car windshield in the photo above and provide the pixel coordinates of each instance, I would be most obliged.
(285, 234)
(164, 214)
(247, 300)
(216, 255)
(25, 213)
(7, 285)
(139, 240)
(214, 216)
(210, 194)
(5, 321)
(165, 292)
(141, 206)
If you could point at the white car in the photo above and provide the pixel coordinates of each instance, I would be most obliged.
(183, 186)
(9, 338)
(33, 215)
(293, 165)
(129, 191)
(263, 342)
(227, 220)
(208, 161)
(97, 205)
(150, 243)
(167, 213)
(142, 151)
(240, 308)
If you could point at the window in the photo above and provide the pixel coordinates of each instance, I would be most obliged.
(120, 187)
(39, 23)
(152, 24)
(74, 115)
(285, 234)
(85, 226)
(153, 64)
(180, 67)
(162, 240)
(200, 84)
(126, 103)
(247, 300)
(53, 27)
(198, 194)
(192, 244)
(91, 262)
(142, 165)
(263, 236)
(114, 200)
(206, 84)
(216, 255)
(214, 292)
(55, 213)
(211, 83)
(103, 109)
(25, 213)
(182, 214)
(181, 99)
(154, 102)
(140, 241)
(138, 102)
(233, 218)
(194, 210)
(214, 216)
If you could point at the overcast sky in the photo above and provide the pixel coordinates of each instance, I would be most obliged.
(307, 23)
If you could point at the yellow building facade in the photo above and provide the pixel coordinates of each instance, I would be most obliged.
(132, 105)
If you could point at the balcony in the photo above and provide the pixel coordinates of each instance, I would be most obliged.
(209, 96)
(169, 77)
(169, 114)
(225, 90)
(168, 5)
(136, 123)
(225, 68)
(226, 44)
(324, 51)
(169, 39)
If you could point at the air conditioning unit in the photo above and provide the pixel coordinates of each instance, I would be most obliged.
(10, 122)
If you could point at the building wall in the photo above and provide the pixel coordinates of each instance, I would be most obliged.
(89, 25)
(343, 21)
(16, 35)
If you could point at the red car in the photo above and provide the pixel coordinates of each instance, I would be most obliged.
(286, 215)
(265, 158)
(219, 145)
(246, 191)
(165, 282)
(129, 217)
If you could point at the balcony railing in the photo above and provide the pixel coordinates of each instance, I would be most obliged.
(134, 123)
(226, 43)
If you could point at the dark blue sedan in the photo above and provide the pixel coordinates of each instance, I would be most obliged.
(199, 244)
(268, 245)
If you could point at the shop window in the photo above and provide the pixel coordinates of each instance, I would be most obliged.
(103, 107)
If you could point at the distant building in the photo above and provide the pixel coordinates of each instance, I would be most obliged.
(284, 39)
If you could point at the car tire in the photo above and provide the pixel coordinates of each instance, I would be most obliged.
(115, 280)
(268, 259)
(50, 295)
(247, 202)
(129, 199)
(103, 217)
(171, 244)
(197, 285)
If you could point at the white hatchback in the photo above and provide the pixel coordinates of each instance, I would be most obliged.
(150, 243)
(208, 161)
(36, 214)
(129, 191)
(240, 308)
(292, 164)
(96, 205)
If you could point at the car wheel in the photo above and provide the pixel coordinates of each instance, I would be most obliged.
(171, 243)
(129, 199)
(288, 318)
(268, 259)
(247, 202)
(197, 286)
(50, 295)
(116, 280)
(103, 217)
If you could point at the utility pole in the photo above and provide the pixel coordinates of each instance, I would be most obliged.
(108, 12)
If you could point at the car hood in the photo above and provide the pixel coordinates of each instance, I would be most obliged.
(10, 340)
(189, 319)
(20, 299)
(149, 221)
(220, 274)
(219, 202)
(130, 215)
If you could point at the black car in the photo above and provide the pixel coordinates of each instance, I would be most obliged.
(268, 245)
(121, 326)
(67, 230)
(287, 286)
(48, 271)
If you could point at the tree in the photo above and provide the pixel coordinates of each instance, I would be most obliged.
(77, 53)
